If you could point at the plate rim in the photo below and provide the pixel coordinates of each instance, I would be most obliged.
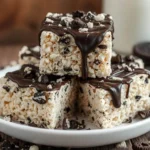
(75, 132)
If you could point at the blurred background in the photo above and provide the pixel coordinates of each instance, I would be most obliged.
(20, 21)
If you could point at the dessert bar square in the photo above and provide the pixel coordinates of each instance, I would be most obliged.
(76, 44)
(31, 98)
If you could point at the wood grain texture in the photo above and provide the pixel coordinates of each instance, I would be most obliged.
(8, 54)
(20, 20)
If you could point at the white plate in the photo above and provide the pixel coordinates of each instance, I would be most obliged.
(75, 138)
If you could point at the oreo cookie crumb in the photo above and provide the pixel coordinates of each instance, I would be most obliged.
(64, 40)
(77, 23)
(44, 79)
(125, 103)
(144, 114)
(39, 97)
(129, 120)
(78, 14)
(67, 109)
(67, 69)
(7, 88)
(138, 97)
(73, 124)
(97, 62)
(66, 50)
(146, 80)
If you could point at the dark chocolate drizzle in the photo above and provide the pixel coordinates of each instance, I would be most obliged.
(32, 53)
(115, 86)
(31, 80)
(86, 41)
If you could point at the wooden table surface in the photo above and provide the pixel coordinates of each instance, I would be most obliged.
(8, 54)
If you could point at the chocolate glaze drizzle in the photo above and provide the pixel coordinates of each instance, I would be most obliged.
(32, 53)
(86, 41)
(114, 86)
(31, 79)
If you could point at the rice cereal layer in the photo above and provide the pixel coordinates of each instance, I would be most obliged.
(76, 44)
(97, 103)
(30, 106)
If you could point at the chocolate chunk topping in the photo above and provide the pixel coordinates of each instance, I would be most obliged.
(77, 23)
(39, 97)
(144, 114)
(7, 88)
(78, 14)
(86, 41)
(26, 79)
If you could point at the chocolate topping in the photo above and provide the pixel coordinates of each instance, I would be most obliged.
(32, 53)
(86, 41)
(114, 86)
(32, 78)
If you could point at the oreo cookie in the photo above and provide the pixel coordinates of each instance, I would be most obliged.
(141, 143)
(142, 50)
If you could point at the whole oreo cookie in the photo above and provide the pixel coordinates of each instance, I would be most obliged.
(141, 143)
(142, 50)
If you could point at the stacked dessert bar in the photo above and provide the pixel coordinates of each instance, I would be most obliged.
(74, 64)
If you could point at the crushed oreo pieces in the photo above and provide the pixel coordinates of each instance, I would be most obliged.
(73, 124)
(117, 59)
(137, 97)
(129, 120)
(44, 79)
(64, 40)
(141, 143)
(97, 62)
(144, 114)
(7, 88)
(77, 23)
(39, 97)
(78, 14)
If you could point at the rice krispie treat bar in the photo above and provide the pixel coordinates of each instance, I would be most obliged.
(110, 102)
(31, 98)
(76, 44)
(29, 55)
